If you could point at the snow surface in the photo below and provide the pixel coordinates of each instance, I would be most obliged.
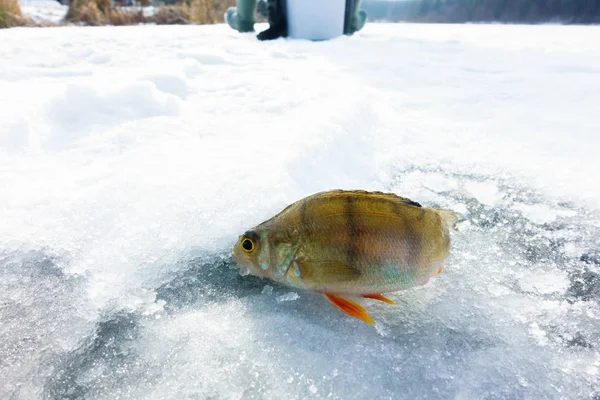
(131, 158)
(43, 10)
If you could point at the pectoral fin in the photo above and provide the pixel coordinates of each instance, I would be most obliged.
(349, 307)
(324, 272)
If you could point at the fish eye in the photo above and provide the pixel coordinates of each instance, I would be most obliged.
(247, 245)
(248, 241)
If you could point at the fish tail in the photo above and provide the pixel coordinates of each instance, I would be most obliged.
(449, 217)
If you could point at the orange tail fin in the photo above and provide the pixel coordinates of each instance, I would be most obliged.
(349, 307)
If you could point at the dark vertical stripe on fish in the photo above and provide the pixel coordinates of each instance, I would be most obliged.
(303, 213)
(395, 207)
(353, 233)
(413, 239)
(272, 254)
(416, 242)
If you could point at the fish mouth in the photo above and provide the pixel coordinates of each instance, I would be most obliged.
(243, 270)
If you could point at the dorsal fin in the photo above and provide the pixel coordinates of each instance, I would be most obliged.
(337, 193)
(382, 195)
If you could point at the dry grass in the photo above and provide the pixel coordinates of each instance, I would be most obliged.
(198, 12)
(89, 12)
(10, 7)
(103, 12)
(201, 11)
(121, 16)
(209, 11)
(10, 15)
(218, 9)
(10, 20)
(171, 15)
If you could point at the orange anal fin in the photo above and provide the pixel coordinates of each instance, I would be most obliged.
(349, 307)
(439, 271)
(378, 297)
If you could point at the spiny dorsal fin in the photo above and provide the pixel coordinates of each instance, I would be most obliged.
(382, 195)
(330, 194)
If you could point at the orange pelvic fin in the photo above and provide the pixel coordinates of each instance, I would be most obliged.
(378, 297)
(439, 271)
(349, 307)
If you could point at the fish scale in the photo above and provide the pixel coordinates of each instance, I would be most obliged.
(342, 243)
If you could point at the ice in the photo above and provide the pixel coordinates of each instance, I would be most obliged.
(267, 290)
(486, 193)
(291, 296)
(541, 213)
(545, 282)
(131, 158)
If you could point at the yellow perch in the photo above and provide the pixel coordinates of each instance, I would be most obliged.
(352, 243)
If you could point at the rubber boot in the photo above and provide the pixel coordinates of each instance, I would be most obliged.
(359, 20)
(261, 8)
(241, 17)
(358, 17)
(277, 21)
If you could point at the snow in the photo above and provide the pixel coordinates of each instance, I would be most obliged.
(131, 158)
(43, 10)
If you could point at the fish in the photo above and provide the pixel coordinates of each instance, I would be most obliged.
(345, 244)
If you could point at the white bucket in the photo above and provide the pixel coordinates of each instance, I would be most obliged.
(315, 19)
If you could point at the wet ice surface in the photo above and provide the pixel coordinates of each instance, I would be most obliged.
(129, 167)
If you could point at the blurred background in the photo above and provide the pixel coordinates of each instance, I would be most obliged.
(128, 12)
